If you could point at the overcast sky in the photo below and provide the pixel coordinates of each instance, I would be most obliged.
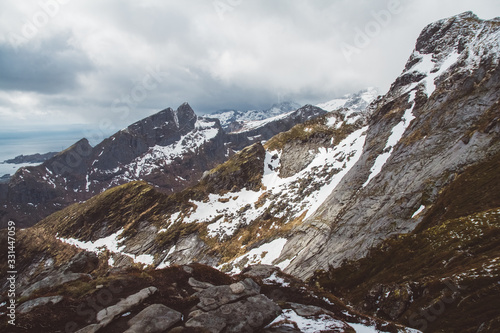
(111, 62)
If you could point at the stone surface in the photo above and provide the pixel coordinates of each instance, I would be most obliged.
(248, 315)
(83, 262)
(260, 271)
(213, 298)
(52, 281)
(453, 128)
(155, 318)
(31, 304)
(199, 284)
(108, 314)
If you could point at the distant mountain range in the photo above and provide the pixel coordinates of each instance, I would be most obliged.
(34, 158)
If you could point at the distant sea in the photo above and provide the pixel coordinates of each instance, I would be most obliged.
(13, 144)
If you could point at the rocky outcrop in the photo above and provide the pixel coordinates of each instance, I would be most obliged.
(41, 301)
(53, 281)
(238, 307)
(191, 298)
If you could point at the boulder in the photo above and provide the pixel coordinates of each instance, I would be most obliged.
(155, 318)
(198, 285)
(83, 262)
(260, 271)
(214, 297)
(108, 314)
(248, 315)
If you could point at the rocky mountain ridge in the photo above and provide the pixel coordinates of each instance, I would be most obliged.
(232, 120)
(170, 149)
(388, 207)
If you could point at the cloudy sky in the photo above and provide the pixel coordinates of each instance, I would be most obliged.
(107, 63)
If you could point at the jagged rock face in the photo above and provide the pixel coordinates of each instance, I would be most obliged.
(170, 149)
(440, 116)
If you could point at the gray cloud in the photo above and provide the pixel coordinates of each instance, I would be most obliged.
(52, 67)
(117, 61)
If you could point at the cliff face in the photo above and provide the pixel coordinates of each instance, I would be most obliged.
(439, 117)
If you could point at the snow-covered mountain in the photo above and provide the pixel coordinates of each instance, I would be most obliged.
(394, 206)
(355, 102)
(234, 119)
(170, 149)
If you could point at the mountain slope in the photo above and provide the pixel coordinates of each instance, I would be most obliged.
(170, 149)
(448, 266)
(404, 191)
(439, 117)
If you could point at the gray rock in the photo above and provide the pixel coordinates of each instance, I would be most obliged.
(208, 321)
(199, 284)
(188, 269)
(108, 314)
(213, 298)
(90, 328)
(155, 318)
(83, 262)
(31, 304)
(248, 315)
(237, 288)
(308, 310)
(52, 281)
(260, 271)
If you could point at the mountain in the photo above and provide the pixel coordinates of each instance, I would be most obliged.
(232, 119)
(170, 149)
(34, 158)
(262, 130)
(356, 102)
(394, 208)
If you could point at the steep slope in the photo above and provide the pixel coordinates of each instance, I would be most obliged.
(449, 265)
(262, 130)
(439, 117)
(170, 149)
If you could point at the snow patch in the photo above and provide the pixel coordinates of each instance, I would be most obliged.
(418, 211)
(264, 254)
(319, 323)
(396, 135)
